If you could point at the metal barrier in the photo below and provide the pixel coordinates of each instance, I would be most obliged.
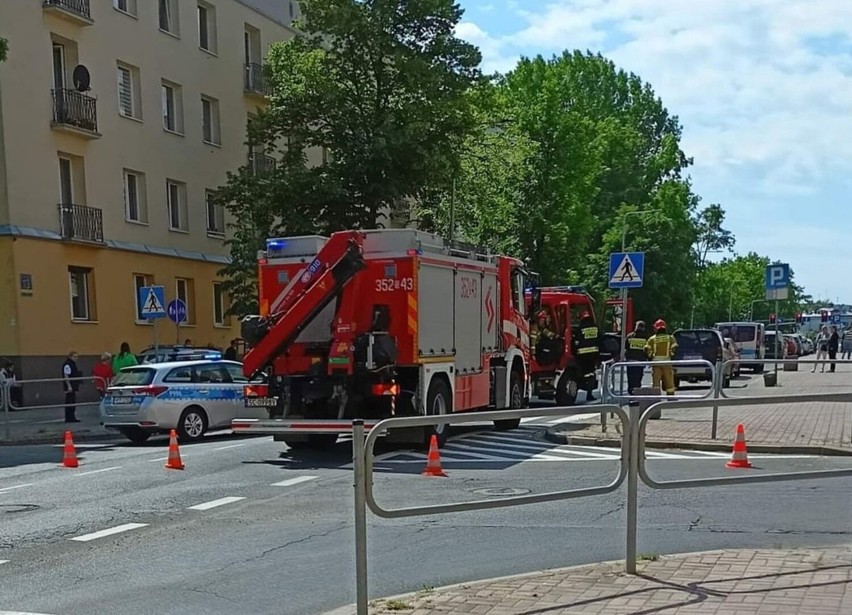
(632, 468)
(362, 454)
(6, 397)
(823, 362)
(609, 380)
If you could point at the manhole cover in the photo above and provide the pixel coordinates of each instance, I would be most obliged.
(501, 492)
(17, 508)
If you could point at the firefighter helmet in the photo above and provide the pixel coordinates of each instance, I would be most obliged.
(660, 324)
(542, 315)
(585, 315)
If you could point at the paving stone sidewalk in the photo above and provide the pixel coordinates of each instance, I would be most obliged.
(812, 427)
(47, 426)
(730, 582)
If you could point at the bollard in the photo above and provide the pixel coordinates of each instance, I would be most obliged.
(360, 472)
(632, 488)
(718, 385)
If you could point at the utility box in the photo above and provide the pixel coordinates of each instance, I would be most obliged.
(645, 404)
(792, 367)
(770, 379)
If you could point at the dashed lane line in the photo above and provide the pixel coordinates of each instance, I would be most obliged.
(222, 448)
(20, 613)
(5, 489)
(216, 503)
(294, 481)
(3, 561)
(98, 471)
(118, 529)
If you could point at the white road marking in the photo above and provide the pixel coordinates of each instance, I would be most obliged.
(182, 456)
(99, 471)
(294, 481)
(20, 613)
(5, 489)
(118, 529)
(215, 503)
(3, 561)
(222, 448)
(557, 420)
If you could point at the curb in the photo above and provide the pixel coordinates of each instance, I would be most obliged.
(350, 609)
(57, 438)
(557, 436)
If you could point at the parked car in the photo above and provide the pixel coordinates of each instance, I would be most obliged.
(164, 354)
(698, 344)
(770, 346)
(794, 346)
(732, 353)
(191, 397)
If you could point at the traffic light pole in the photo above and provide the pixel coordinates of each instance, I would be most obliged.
(777, 340)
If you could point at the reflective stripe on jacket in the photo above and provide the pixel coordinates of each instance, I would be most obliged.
(636, 347)
(588, 342)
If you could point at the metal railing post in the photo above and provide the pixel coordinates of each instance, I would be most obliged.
(632, 453)
(604, 394)
(6, 394)
(718, 385)
(358, 463)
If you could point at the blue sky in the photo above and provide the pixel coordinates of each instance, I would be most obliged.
(763, 89)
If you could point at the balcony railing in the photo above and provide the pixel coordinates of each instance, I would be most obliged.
(75, 8)
(255, 80)
(75, 109)
(81, 223)
(260, 163)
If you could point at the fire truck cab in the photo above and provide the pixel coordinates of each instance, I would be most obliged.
(380, 323)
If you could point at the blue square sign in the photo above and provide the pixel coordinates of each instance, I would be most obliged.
(626, 269)
(152, 302)
(777, 276)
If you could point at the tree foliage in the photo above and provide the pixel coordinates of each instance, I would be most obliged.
(711, 236)
(380, 88)
(4, 48)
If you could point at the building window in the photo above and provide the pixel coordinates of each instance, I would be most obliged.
(207, 27)
(172, 107)
(220, 305)
(82, 292)
(129, 92)
(185, 291)
(135, 206)
(215, 215)
(176, 205)
(140, 280)
(210, 120)
(125, 6)
(169, 16)
(72, 179)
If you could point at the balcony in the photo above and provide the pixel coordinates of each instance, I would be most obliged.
(81, 223)
(76, 11)
(255, 80)
(260, 164)
(75, 112)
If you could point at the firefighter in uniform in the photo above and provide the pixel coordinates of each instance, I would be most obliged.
(588, 352)
(635, 351)
(661, 347)
(540, 334)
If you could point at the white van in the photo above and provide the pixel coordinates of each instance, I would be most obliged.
(748, 336)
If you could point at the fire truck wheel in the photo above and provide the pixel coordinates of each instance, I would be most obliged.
(516, 402)
(438, 402)
(566, 389)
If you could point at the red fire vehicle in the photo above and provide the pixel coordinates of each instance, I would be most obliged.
(380, 323)
(554, 371)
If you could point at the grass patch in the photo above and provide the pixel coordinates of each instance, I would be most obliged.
(397, 605)
(648, 557)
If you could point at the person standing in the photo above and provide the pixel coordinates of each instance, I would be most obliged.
(102, 374)
(846, 344)
(635, 351)
(662, 347)
(124, 358)
(231, 351)
(588, 353)
(822, 349)
(833, 347)
(71, 384)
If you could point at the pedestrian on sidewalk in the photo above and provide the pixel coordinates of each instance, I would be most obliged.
(124, 358)
(102, 373)
(71, 384)
(822, 349)
(231, 352)
(833, 345)
(846, 344)
(635, 351)
(16, 391)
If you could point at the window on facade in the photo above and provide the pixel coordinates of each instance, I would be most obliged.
(185, 291)
(129, 92)
(176, 205)
(82, 291)
(125, 6)
(215, 215)
(220, 305)
(58, 66)
(210, 120)
(66, 181)
(140, 280)
(135, 209)
(207, 27)
(169, 21)
(172, 101)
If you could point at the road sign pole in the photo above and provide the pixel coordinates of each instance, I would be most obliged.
(622, 353)
(777, 341)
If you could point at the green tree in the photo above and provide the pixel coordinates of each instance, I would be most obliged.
(711, 236)
(380, 87)
(4, 48)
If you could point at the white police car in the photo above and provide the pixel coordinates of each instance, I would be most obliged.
(191, 397)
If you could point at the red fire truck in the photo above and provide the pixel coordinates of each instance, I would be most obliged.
(380, 323)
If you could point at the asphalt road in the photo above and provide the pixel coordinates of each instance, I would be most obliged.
(251, 528)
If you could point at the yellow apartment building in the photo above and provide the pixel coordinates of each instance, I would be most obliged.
(118, 118)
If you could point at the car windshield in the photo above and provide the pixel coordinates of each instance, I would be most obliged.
(133, 376)
(696, 341)
(738, 332)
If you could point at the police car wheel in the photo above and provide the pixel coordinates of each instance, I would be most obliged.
(192, 424)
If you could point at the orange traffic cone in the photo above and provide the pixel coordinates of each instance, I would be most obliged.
(174, 462)
(433, 461)
(740, 456)
(69, 457)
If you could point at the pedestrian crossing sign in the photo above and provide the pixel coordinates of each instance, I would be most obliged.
(152, 301)
(626, 269)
